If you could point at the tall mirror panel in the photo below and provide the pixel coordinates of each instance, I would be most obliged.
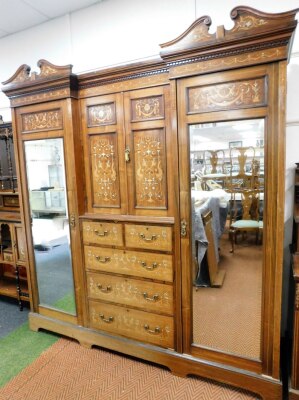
(227, 211)
(45, 170)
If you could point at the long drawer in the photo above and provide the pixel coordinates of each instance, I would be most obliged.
(150, 237)
(107, 233)
(139, 264)
(155, 297)
(134, 324)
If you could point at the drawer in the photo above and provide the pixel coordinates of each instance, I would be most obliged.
(139, 264)
(149, 237)
(134, 324)
(156, 297)
(102, 233)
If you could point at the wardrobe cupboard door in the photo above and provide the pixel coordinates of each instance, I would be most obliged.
(102, 120)
(148, 150)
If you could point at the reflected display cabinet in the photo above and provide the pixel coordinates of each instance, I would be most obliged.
(167, 260)
(13, 253)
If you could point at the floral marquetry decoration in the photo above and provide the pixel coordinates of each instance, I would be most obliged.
(248, 22)
(44, 120)
(148, 108)
(150, 169)
(102, 114)
(227, 95)
(104, 167)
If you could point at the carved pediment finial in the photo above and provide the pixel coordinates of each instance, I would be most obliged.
(21, 75)
(250, 26)
(247, 19)
(47, 70)
(197, 33)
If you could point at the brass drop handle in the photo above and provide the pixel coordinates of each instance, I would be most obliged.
(149, 267)
(107, 320)
(106, 289)
(155, 331)
(104, 233)
(155, 297)
(147, 239)
(127, 154)
(103, 260)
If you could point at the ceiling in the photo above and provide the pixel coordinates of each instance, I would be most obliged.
(17, 15)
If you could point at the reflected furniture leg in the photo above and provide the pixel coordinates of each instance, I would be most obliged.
(217, 275)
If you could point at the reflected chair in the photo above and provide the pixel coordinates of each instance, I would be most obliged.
(213, 166)
(242, 167)
(245, 215)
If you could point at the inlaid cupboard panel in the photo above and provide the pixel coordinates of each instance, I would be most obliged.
(149, 146)
(102, 127)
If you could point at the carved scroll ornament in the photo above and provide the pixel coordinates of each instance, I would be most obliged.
(46, 70)
(249, 24)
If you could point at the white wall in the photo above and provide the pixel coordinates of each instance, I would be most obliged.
(114, 32)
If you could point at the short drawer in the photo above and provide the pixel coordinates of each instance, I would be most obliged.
(148, 237)
(102, 233)
(156, 297)
(139, 264)
(134, 324)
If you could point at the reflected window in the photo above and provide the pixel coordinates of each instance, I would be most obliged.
(50, 223)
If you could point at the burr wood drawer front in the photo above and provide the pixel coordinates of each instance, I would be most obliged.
(150, 237)
(134, 324)
(150, 296)
(135, 263)
(106, 233)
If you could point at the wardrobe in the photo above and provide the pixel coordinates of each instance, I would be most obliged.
(112, 188)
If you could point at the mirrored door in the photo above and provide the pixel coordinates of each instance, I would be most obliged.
(45, 169)
(231, 231)
(226, 227)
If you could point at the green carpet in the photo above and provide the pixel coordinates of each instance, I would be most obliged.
(22, 346)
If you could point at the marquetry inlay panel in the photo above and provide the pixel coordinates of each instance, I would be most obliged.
(135, 263)
(155, 297)
(148, 108)
(150, 169)
(41, 121)
(145, 326)
(227, 95)
(101, 114)
(204, 65)
(41, 97)
(104, 170)
(125, 84)
(248, 22)
(148, 237)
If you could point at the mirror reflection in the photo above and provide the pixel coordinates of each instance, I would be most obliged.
(50, 223)
(227, 203)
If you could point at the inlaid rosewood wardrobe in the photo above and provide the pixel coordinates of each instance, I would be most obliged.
(125, 147)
